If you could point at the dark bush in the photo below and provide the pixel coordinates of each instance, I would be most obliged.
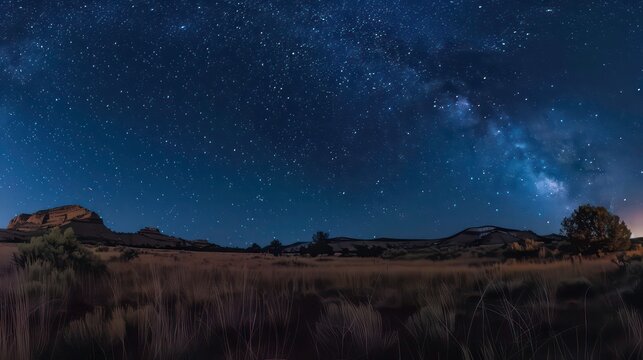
(59, 249)
(394, 253)
(523, 249)
(369, 251)
(128, 254)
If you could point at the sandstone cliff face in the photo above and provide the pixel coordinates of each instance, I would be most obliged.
(89, 228)
(56, 217)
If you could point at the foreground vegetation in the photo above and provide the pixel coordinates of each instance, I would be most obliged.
(160, 304)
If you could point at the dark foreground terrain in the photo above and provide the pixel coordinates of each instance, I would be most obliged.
(169, 304)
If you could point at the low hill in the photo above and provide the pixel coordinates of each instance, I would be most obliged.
(471, 237)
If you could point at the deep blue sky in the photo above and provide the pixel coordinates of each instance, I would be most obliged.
(240, 121)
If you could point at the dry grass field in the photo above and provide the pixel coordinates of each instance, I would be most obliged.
(189, 305)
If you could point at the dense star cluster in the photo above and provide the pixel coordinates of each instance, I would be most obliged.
(240, 121)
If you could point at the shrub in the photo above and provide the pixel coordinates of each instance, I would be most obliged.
(291, 262)
(128, 254)
(595, 228)
(630, 265)
(43, 278)
(524, 248)
(369, 251)
(59, 249)
(393, 253)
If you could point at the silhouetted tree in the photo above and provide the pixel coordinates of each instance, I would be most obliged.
(320, 245)
(594, 228)
(254, 248)
(276, 247)
(320, 236)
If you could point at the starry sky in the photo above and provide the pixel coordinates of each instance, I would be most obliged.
(241, 121)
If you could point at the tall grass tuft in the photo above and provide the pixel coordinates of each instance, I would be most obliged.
(349, 331)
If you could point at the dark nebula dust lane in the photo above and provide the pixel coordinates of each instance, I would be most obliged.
(240, 121)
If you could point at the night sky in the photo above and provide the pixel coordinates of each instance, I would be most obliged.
(240, 121)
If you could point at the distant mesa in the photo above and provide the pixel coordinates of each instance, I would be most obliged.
(149, 231)
(89, 228)
(56, 217)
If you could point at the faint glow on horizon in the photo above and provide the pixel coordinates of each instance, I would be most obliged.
(635, 223)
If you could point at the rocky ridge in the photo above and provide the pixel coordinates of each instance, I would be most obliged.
(90, 228)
